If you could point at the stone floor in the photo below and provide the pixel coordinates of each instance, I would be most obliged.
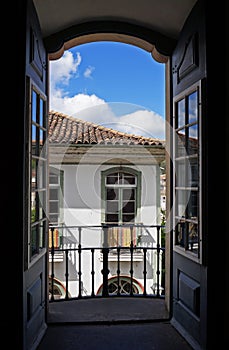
(111, 324)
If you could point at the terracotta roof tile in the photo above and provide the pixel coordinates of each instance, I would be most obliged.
(67, 129)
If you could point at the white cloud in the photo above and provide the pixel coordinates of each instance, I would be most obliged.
(88, 72)
(143, 122)
(62, 70)
(130, 119)
(78, 106)
(96, 110)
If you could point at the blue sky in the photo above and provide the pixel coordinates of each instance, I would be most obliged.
(112, 84)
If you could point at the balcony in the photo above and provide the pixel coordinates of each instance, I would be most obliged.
(86, 263)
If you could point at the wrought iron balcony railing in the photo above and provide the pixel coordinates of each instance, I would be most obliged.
(107, 260)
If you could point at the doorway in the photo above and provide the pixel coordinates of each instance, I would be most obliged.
(124, 110)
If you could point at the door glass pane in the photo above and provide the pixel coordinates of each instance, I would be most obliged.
(33, 206)
(192, 208)
(192, 147)
(34, 240)
(41, 235)
(193, 173)
(181, 113)
(192, 107)
(180, 233)
(193, 237)
(180, 143)
(181, 199)
(34, 106)
(34, 140)
(41, 121)
(180, 174)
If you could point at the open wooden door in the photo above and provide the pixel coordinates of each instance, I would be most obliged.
(188, 67)
(35, 200)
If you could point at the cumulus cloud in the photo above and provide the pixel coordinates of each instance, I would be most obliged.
(78, 105)
(141, 122)
(62, 70)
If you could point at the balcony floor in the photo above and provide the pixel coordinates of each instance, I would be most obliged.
(112, 323)
(107, 310)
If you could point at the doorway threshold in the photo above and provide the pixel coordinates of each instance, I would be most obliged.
(107, 310)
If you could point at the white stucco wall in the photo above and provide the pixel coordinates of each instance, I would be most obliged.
(82, 207)
(82, 194)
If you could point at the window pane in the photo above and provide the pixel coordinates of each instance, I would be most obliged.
(128, 194)
(193, 173)
(53, 219)
(112, 179)
(34, 174)
(193, 240)
(41, 235)
(181, 174)
(42, 196)
(34, 240)
(181, 200)
(128, 218)
(42, 138)
(192, 209)
(181, 113)
(112, 206)
(128, 207)
(112, 218)
(192, 107)
(33, 206)
(34, 140)
(54, 194)
(180, 233)
(53, 179)
(129, 179)
(54, 207)
(112, 194)
(34, 106)
(180, 143)
(41, 174)
(192, 140)
(41, 121)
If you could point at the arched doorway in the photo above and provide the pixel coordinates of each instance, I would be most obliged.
(143, 45)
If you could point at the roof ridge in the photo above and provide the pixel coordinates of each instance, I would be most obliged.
(103, 128)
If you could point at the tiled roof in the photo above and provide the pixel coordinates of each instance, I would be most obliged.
(64, 129)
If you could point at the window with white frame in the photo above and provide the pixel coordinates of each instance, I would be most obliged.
(55, 205)
(55, 196)
(121, 193)
(187, 169)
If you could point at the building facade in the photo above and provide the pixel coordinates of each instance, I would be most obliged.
(104, 190)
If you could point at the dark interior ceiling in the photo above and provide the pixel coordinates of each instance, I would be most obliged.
(164, 16)
(154, 24)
